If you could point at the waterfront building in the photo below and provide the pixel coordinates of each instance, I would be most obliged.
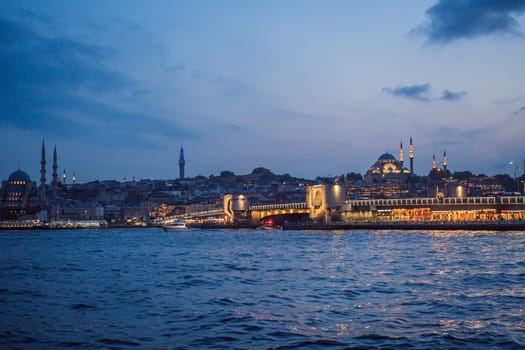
(75, 211)
(16, 195)
(452, 209)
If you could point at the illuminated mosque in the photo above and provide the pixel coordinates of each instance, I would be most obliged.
(387, 169)
(20, 195)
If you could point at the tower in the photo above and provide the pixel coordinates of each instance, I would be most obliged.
(55, 167)
(434, 165)
(43, 173)
(445, 162)
(182, 162)
(401, 154)
(411, 156)
(64, 177)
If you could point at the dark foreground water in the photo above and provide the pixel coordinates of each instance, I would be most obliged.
(149, 289)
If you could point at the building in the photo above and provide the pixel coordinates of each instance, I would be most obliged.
(387, 169)
(16, 195)
(75, 211)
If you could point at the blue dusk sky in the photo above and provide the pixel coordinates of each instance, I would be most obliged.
(309, 88)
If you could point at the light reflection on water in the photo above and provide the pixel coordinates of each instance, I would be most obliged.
(261, 289)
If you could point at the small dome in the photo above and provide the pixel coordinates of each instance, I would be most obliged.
(386, 156)
(436, 174)
(19, 175)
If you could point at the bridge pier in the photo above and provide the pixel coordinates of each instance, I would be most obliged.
(323, 204)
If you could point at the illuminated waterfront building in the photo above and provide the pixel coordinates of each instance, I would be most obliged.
(16, 195)
(452, 209)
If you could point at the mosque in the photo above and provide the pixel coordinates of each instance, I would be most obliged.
(19, 194)
(387, 169)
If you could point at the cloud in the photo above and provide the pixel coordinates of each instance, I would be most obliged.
(56, 85)
(449, 95)
(450, 20)
(414, 92)
(520, 111)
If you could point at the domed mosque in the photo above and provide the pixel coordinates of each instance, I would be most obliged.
(437, 173)
(387, 169)
(19, 195)
(16, 192)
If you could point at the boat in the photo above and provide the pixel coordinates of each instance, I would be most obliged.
(268, 225)
(174, 225)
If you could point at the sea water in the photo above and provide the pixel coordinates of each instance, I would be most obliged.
(249, 289)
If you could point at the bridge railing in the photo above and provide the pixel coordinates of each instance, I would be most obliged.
(263, 207)
(436, 201)
(207, 213)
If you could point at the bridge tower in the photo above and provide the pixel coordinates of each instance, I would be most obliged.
(325, 200)
(236, 208)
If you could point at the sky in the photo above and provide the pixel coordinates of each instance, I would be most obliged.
(308, 88)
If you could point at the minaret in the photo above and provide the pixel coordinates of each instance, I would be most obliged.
(401, 154)
(55, 167)
(433, 161)
(43, 173)
(411, 156)
(74, 178)
(182, 162)
(64, 177)
(445, 162)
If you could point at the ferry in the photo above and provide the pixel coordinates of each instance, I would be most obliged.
(174, 225)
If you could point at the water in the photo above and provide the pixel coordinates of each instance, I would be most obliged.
(150, 289)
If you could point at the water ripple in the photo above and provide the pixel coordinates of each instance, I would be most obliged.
(262, 289)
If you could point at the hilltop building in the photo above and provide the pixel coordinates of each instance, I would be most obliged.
(387, 169)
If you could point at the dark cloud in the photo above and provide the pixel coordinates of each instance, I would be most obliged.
(520, 111)
(453, 136)
(450, 20)
(55, 85)
(414, 92)
(452, 96)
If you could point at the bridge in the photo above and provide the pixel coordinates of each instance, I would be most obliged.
(278, 213)
(328, 203)
(320, 200)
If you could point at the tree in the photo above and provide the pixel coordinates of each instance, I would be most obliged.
(507, 182)
(353, 177)
(226, 173)
(463, 175)
(261, 170)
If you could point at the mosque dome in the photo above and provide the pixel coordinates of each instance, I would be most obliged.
(436, 174)
(19, 175)
(386, 157)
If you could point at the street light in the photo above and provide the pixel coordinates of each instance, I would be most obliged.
(516, 175)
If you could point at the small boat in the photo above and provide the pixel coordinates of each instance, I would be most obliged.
(268, 225)
(174, 225)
